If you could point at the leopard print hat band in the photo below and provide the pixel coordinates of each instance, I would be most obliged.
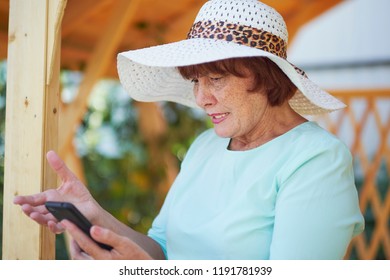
(222, 29)
(240, 34)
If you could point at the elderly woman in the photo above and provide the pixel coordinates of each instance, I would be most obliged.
(264, 183)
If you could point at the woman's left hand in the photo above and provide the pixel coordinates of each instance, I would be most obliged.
(83, 248)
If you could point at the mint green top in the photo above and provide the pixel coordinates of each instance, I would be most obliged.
(291, 198)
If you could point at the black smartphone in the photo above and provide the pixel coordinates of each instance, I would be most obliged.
(66, 210)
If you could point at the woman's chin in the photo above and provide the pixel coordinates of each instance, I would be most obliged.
(222, 133)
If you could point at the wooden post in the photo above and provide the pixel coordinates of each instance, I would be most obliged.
(31, 120)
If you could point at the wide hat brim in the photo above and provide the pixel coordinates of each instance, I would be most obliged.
(151, 74)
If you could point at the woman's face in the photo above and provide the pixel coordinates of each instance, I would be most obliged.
(235, 112)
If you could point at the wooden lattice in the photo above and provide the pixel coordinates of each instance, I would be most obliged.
(364, 125)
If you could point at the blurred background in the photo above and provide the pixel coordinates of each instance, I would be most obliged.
(129, 153)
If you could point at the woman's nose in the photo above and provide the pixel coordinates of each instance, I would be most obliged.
(203, 95)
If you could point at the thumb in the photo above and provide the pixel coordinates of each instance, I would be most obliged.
(105, 236)
(58, 165)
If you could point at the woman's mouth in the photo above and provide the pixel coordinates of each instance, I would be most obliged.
(218, 118)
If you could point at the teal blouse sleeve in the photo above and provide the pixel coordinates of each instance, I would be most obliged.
(316, 210)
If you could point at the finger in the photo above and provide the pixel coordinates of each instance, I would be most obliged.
(34, 200)
(28, 209)
(38, 198)
(41, 208)
(42, 217)
(84, 242)
(76, 252)
(47, 220)
(55, 227)
(58, 165)
(124, 248)
(106, 236)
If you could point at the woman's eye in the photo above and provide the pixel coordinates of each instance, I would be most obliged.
(216, 79)
(194, 81)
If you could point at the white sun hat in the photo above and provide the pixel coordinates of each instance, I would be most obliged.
(222, 29)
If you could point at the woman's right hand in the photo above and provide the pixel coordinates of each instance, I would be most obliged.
(71, 190)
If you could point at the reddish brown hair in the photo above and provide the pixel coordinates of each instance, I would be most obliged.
(267, 75)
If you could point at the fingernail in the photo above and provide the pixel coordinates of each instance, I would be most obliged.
(63, 223)
(97, 230)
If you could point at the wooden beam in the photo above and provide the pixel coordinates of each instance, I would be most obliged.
(103, 55)
(55, 16)
(179, 28)
(4, 19)
(31, 121)
(78, 11)
(363, 93)
(283, 6)
(3, 45)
